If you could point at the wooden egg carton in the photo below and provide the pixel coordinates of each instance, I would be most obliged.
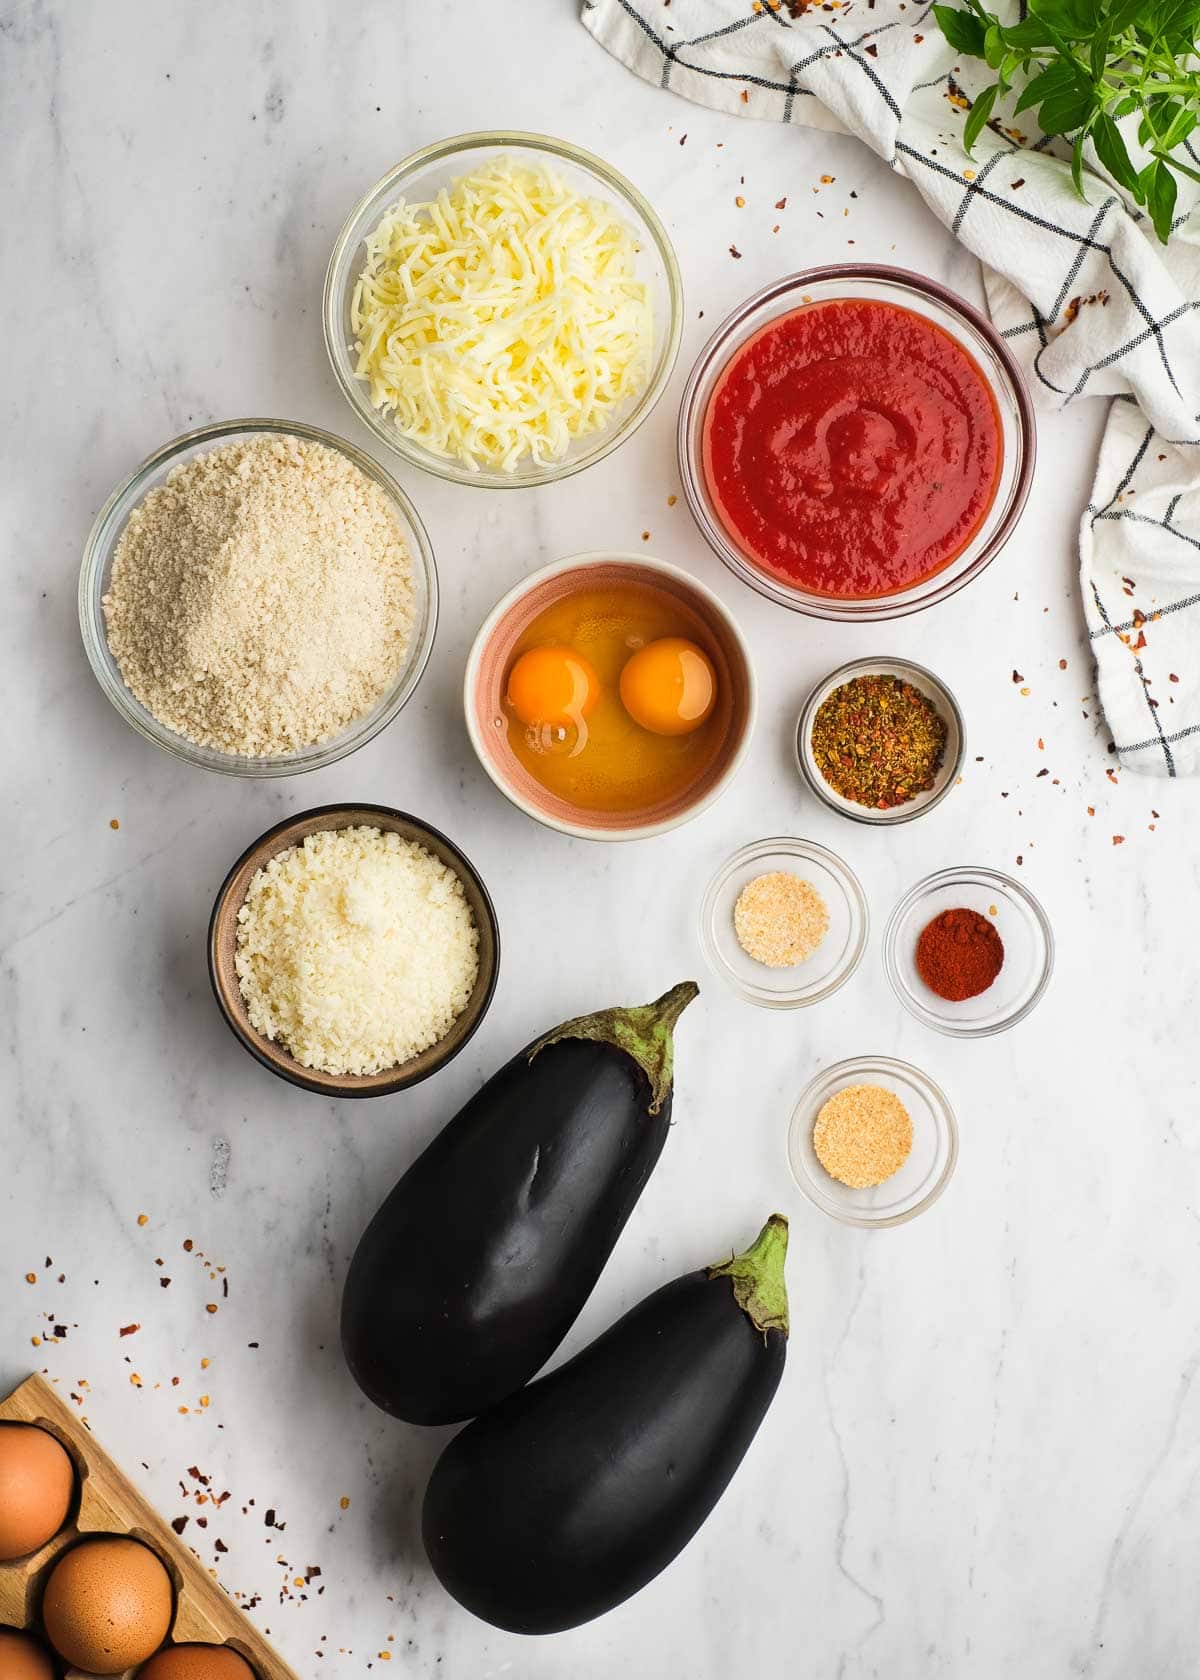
(106, 1502)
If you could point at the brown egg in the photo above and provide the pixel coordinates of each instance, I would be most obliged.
(197, 1662)
(107, 1605)
(22, 1658)
(37, 1480)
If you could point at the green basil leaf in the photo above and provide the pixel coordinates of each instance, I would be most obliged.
(993, 46)
(1110, 149)
(1124, 106)
(1055, 78)
(1077, 162)
(965, 33)
(1030, 32)
(1124, 14)
(979, 113)
(1159, 188)
(1063, 113)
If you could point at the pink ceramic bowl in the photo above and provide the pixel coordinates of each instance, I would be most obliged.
(709, 623)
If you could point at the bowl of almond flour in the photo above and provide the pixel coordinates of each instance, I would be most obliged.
(259, 598)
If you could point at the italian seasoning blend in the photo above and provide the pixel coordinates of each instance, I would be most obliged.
(878, 741)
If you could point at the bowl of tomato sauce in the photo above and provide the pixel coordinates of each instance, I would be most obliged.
(856, 442)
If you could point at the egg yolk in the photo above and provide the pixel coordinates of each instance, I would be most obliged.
(552, 686)
(669, 686)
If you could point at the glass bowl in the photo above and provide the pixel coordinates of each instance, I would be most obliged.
(967, 327)
(97, 569)
(834, 960)
(1023, 927)
(934, 689)
(922, 1178)
(420, 177)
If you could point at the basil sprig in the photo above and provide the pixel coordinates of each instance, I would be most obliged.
(1087, 64)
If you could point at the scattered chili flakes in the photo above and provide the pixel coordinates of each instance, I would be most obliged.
(878, 741)
(130, 1329)
(740, 202)
(143, 1219)
(1171, 677)
(1091, 810)
(30, 1277)
(1118, 839)
(734, 252)
(179, 1524)
(211, 1307)
(671, 500)
(745, 96)
(1062, 664)
(1017, 677)
(781, 203)
(113, 823)
(344, 1502)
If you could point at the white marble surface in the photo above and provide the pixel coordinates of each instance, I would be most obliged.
(985, 1456)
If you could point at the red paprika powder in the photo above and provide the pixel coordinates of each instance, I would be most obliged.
(959, 954)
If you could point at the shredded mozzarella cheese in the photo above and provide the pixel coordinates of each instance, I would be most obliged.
(503, 320)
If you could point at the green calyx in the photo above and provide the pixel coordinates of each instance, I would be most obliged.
(759, 1285)
(643, 1032)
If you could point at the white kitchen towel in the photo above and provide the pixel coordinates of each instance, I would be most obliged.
(1087, 298)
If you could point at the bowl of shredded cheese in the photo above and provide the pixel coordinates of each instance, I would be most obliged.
(503, 309)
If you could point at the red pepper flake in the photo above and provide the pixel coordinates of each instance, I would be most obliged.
(781, 203)
(1042, 773)
(130, 1329)
(143, 1219)
(30, 1277)
(1041, 744)
(1062, 664)
(1112, 776)
(188, 1245)
(682, 139)
(211, 1307)
(734, 252)
(1017, 677)
(220, 1545)
(740, 202)
(113, 823)
(745, 96)
(179, 1524)
(1171, 677)
(1091, 810)
(1118, 839)
(164, 1283)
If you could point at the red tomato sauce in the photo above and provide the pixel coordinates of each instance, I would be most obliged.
(852, 448)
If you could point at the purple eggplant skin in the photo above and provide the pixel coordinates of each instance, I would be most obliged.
(482, 1256)
(576, 1492)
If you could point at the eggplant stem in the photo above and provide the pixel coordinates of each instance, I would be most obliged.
(759, 1284)
(643, 1032)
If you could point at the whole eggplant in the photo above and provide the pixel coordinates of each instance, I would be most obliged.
(574, 1493)
(479, 1261)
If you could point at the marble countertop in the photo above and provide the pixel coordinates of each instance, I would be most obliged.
(985, 1455)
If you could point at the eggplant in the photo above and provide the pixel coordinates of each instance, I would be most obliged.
(569, 1497)
(482, 1256)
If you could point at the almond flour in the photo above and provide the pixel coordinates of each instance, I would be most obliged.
(261, 597)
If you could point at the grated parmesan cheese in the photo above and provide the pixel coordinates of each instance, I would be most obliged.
(356, 949)
(503, 320)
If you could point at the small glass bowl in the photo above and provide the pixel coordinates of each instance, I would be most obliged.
(420, 178)
(923, 1176)
(967, 327)
(97, 569)
(834, 960)
(953, 756)
(1023, 927)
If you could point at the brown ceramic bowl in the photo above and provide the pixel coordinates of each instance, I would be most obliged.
(708, 622)
(222, 944)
